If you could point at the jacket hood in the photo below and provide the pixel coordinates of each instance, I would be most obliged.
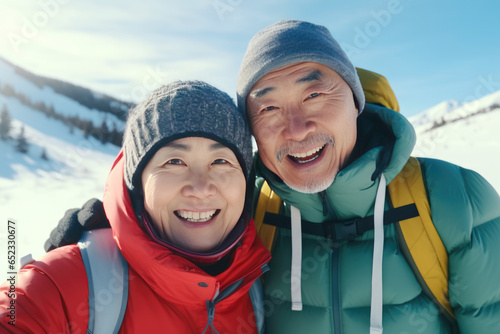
(384, 144)
(168, 274)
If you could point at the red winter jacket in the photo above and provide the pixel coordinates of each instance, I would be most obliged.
(167, 293)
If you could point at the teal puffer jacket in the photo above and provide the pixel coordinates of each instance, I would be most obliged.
(336, 278)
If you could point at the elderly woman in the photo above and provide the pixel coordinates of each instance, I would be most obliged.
(175, 199)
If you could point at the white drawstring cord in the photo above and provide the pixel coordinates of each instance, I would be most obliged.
(378, 253)
(296, 259)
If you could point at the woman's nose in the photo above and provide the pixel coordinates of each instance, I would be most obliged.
(200, 185)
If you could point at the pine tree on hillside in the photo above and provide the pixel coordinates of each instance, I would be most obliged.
(115, 136)
(22, 144)
(5, 124)
(8, 90)
(103, 132)
(87, 128)
(44, 155)
(51, 113)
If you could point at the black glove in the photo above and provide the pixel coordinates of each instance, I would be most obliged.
(75, 221)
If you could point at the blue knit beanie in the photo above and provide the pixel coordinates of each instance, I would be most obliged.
(288, 42)
(178, 110)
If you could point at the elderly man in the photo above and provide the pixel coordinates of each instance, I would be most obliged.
(329, 156)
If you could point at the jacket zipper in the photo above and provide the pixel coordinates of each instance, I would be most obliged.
(222, 295)
(211, 314)
(337, 328)
(323, 198)
(329, 212)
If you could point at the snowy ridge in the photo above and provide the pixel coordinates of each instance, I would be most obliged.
(62, 104)
(467, 135)
(36, 192)
(427, 117)
(450, 111)
(469, 109)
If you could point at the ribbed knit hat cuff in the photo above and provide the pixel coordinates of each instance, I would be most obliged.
(183, 109)
(332, 63)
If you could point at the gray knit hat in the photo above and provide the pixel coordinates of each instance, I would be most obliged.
(288, 42)
(178, 110)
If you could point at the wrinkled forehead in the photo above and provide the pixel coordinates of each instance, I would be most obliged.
(299, 74)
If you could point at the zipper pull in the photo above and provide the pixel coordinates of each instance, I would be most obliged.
(210, 311)
(210, 316)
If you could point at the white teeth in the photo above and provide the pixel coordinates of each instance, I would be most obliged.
(307, 154)
(195, 216)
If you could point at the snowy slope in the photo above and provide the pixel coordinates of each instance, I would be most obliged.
(37, 192)
(62, 104)
(470, 136)
(425, 119)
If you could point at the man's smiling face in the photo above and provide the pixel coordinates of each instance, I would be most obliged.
(303, 119)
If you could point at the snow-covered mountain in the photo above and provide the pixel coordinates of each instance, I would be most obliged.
(66, 162)
(36, 192)
(465, 134)
(427, 118)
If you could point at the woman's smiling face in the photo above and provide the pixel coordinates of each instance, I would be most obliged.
(194, 191)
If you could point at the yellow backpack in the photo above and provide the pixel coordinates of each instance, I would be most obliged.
(419, 240)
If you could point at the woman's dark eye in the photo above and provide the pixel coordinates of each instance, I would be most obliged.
(175, 162)
(220, 161)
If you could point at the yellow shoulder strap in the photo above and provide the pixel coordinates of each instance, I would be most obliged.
(268, 202)
(377, 89)
(421, 240)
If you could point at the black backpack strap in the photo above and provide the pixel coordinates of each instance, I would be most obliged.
(341, 230)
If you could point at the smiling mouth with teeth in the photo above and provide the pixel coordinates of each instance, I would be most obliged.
(196, 216)
(309, 156)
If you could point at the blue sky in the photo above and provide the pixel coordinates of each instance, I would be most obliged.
(430, 51)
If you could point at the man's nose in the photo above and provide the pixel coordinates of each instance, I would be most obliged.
(297, 123)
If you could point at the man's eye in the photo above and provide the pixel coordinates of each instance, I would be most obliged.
(313, 95)
(269, 108)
